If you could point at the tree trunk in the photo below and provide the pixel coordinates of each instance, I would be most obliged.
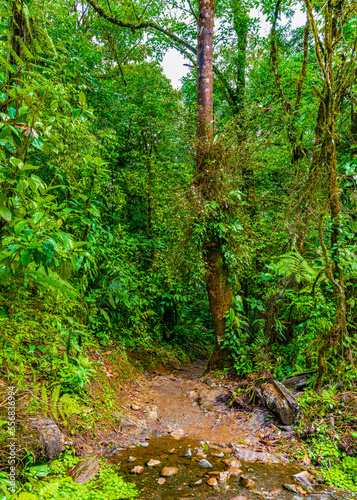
(207, 178)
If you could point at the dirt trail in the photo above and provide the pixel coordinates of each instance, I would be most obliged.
(161, 404)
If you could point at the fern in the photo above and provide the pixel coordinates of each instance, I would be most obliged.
(55, 396)
(44, 400)
(63, 406)
(294, 263)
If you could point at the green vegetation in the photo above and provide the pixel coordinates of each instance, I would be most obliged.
(125, 229)
(107, 485)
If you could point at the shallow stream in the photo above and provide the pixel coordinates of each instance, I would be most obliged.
(191, 478)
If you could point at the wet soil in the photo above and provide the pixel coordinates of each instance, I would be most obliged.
(163, 403)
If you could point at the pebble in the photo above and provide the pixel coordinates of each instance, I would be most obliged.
(204, 463)
(172, 450)
(131, 459)
(169, 471)
(198, 482)
(201, 454)
(135, 407)
(139, 469)
(219, 455)
(152, 463)
(232, 462)
(240, 497)
(247, 483)
(188, 453)
(235, 472)
(177, 434)
(212, 482)
(161, 480)
(145, 445)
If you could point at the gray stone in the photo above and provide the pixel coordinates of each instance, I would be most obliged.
(204, 463)
(248, 455)
(85, 470)
(43, 438)
(207, 398)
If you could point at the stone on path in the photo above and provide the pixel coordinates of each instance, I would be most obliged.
(169, 471)
(177, 434)
(135, 407)
(235, 472)
(153, 463)
(248, 455)
(204, 463)
(232, 462)
(161, 480)
(247, 483)
(212, 481)
(131, 459)
(240, 497)
(85, 470)
(138, 469)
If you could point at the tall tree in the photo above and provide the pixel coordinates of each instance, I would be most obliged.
(208, 180)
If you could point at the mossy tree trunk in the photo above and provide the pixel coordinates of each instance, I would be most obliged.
(207, 178)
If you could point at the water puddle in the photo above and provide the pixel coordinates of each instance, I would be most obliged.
(191, 479)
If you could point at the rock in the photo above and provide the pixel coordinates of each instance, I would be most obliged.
(131, 459)
(224, 476)
(219, 455)
(85, 470)
(161, 480)
(281, 402)
(125, 422)
(236, 472)
(177, 434)
(275, 492)
(212, 481)
(188, 453)
(201, 454)
(204, 463)
(232, 462)
(295, 488)
(144, 445)
(135, 407)
(247, 483)
(240, 497)
(192, 395)
(43, 438)
(151, 413)
(169, 471)
(153, 463)
(207, 398)
(304, 478)
(248, 455)
(138, 469)
(297, 382)
(198, 482)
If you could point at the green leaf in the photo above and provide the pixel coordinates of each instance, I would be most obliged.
(5, 213)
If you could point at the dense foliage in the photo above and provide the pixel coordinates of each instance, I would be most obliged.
(105, 223)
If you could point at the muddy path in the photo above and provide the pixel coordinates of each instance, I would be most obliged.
(180, 420)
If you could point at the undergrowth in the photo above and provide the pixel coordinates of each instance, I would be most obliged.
(51, 482)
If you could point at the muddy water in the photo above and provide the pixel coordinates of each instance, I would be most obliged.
(191, 480)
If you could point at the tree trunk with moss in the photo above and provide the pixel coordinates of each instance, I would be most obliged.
(207, 178)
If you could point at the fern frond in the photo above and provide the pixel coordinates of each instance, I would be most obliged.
(54, 401)
(44, 400)
(294, 263)
(25, 50)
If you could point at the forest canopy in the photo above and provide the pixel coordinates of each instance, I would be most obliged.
(220, 216)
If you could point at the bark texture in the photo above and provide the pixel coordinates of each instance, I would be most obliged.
(207, 178)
